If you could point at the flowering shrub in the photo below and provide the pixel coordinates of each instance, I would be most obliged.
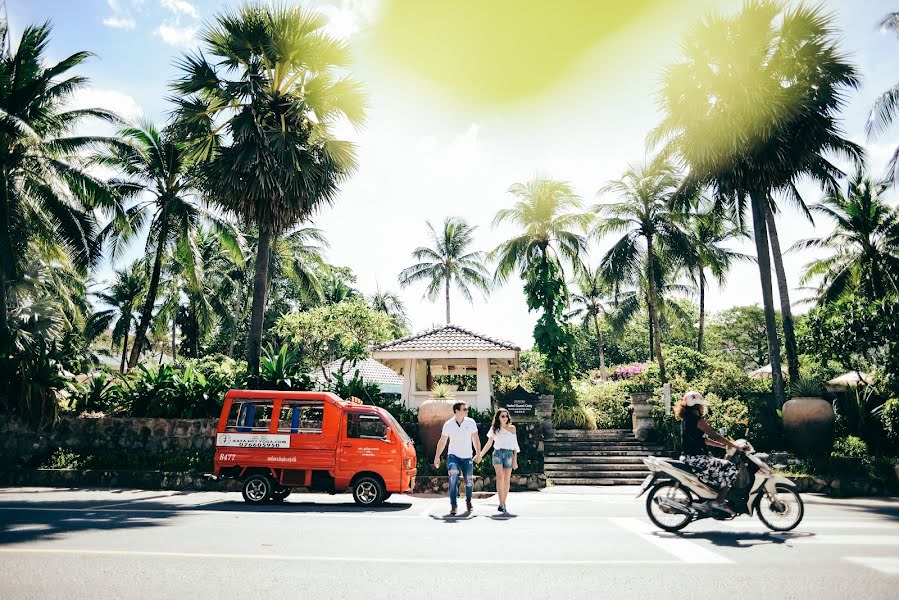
(625, 371)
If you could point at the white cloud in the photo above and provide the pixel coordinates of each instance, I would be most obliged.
(346, 18)
(175, 35)
(120, 22)
(181, 7)
(122, 104)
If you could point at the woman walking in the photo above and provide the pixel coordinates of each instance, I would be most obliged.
(505, 453)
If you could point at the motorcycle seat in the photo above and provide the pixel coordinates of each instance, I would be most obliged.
(681, 465)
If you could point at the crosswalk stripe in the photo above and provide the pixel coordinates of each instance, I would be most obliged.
(848, 540)
(685, 550)
(887, 565)
(821, 524)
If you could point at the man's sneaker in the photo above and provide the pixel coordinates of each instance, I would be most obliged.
(469, 506)
(453, 509)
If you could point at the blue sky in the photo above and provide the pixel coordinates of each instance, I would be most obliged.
(427, 153)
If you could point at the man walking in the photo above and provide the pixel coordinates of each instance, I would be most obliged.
(462, 433)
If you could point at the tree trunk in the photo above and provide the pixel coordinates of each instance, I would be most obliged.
(125, 347)
(446, 290)
(174, 336)
(759, 205)
(7, 266)
(237, 312)
(786, 312)
(652, 356)
(254, 337)
(602, 352)
(146, 314)
(701, 309)
(654, 310)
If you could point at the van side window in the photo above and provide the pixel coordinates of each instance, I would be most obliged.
(299, 416)
(366, 426)
(250, 415)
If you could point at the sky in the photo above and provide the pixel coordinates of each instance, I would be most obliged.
(462, 104)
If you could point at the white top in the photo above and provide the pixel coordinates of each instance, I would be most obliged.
(460, 436)
(504, 439)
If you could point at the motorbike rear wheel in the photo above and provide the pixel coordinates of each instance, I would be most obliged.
(669, 521)
(782, 513)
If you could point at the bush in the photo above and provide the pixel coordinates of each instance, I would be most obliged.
(686, 362)
(730, 381)
(850, 447)
(731, 415)
(573, 417)
(889, 417)
(607, 401)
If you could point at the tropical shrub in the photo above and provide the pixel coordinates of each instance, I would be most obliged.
(283, 370)
(729, 414)
(850, 447)
(889, 417)
(687, 362)
(573, 417)
(607, 401)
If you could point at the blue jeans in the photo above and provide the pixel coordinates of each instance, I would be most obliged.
(455, 466)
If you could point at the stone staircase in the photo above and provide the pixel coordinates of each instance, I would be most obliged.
(600, 457)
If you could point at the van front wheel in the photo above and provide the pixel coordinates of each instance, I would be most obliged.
(258, 489)
(368, 491)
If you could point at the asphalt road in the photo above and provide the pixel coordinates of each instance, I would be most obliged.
(558, 543)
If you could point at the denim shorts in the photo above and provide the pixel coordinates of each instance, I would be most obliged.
(502, 456)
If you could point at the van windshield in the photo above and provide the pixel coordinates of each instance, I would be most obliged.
(395, 425)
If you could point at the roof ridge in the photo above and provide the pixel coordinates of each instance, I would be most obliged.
(433, 330)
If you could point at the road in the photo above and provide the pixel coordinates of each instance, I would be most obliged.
(559, 543)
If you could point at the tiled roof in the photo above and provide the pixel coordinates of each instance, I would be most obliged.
(370, 370)
(448, 337)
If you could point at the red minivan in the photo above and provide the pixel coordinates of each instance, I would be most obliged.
(275, 441)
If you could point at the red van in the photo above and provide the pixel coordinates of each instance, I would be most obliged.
(274, 441)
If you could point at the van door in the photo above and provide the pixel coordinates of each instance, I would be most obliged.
(364, 447)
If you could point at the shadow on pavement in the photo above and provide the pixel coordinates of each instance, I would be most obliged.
(289, 506)
(741, 539)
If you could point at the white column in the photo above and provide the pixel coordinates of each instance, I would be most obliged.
(408, 381)
(484, 384)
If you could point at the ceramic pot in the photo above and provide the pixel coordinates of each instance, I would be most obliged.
(432, 414)
(808, 426)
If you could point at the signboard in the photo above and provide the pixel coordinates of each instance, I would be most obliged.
(252, 440)
(520, 403)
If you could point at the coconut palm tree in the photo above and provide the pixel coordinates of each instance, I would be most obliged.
(708, 231)
(389, 303)
(752, 107)
(864, 244)
(448, 263)
(258, 105)
(47, 195)
(157, 171)
(652, 228)
(592, 301)
(886, 106)
(124, 297)
(549, 218)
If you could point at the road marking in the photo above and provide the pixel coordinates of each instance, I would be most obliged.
(821, 524)
(849, 540)
(890, 566)
(686, 551)
(342, 559)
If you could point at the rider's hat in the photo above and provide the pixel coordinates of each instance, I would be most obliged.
(692, 398)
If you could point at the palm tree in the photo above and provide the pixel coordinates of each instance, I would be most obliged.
(751, 108)
(886, 106)
(448, 263)
(548, 215)
(708, 232)
(260, 116)
(591, 302)
(389, 303)
(865, 243)
(157, 170)
(47, 195)
(652, 228)
(123, 297)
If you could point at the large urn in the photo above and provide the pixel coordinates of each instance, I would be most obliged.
(432, 414)
(808, 425)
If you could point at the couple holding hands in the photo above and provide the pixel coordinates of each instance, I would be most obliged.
(461, 433)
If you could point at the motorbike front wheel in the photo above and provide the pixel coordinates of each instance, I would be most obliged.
(782, 512)
(660, 496)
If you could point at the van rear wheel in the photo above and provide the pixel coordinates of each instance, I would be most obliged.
(368, 491)
(258, 489)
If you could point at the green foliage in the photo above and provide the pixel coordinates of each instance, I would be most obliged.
(729, 414)
(850, 447)
(807, 388)
(370, 393)
(195, 461)
(889, 417)
(728, 380)
(481, 417)
(738, 335)
(689, 363)
(608, 402)
(441, 390)
(573, 417)
(283, 370)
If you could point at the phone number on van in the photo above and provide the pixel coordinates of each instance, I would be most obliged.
(252, 440)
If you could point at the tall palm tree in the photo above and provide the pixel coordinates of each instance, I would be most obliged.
(549, 218)
(592, 301)
(886, 106)
(448, 263)
(47, 195)
(752, 107)
(652, 227)
(123, 297)
(865, 242)
(157, 170)
(259, 114)
(390, 304)
(708, 232)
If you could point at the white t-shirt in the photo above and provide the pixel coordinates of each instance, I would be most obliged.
(504, 440)
(460, 436)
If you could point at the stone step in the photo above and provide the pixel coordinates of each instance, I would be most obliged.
(600, 476)
(590, 467)
(601, 448)
(564, 460)
(591, 442)
(599, 433)
(604, 481)
(588, 453)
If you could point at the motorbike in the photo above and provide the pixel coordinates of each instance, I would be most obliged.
(677, 497)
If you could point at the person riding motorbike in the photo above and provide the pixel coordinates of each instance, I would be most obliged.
(696, 435)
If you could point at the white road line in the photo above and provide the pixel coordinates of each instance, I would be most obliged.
(848, 540)
(822, 524)
(342, 559)
(887, 565)
(686, 551)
